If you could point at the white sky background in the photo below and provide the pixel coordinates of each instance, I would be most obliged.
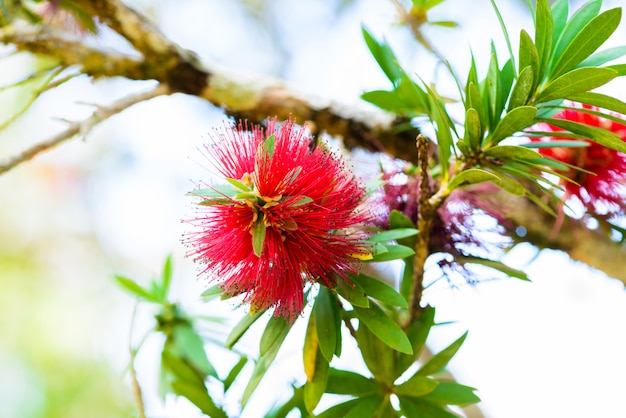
(550, 348)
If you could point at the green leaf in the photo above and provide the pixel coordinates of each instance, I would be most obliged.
(529, 57)
(238, 185)
(327, 322)
(310, 349)
(441, 359)
(416, 386)
(276, 329)
(560, 11)
(497, 265)
(339, 411)
(416, 407)
(211, 292)
(234, 372)
(199, 397)
(602, 57)
(217, 191)
(473, 129)
(393, 234)
(378, 356)
(588, 40)
(574, 26)
(383, 55)
(470, 176)
(268, 146)
(242, 326)
(258, 236)
(366, 407)
(556, 144)
(544, 35)
(523, 88)
(576, 81)
(417, 334)
(504, 32)
(379, 290)
(353, 293)
(452, 393)
(166, 278)
(384, 328)
(600, 100)
(491, 89)
(398, 220)
(137, 290)
(394, 252)
(514, 121)
(511, 151)
(180, 368)
(508, 184)
(300, 201)
(264, 362)
(599, 135)
(315, 387)
(191, 347)
(444, 137)
(343, 382)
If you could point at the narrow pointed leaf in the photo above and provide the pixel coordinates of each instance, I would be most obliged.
(576, 23)
(380, 290)
(514, 121)
(258, 237)
(315, 387)
(273, 334)
(497, 265)
(384, 328)
(452, 393)
(378, 356)
(588, 40)
(602, 57)
(191, 348)
(529, 57)
(470, 176)
(523, 88)
(394, 252)
(417, 386)
(136, 290)
(199, 397)
(440, 360)
(544, 35)
(473, 129)
(600, 100)
(599, 135)
(234, 372)
(242, 326)
(576, 81)
(353, 293)
(416, 407)
(327, 321)
(238, 185)
(393, 234)
(262, 365)
(511, 151)
(343, 382)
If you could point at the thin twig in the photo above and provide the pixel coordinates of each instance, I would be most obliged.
(81, 127)
(133, 372)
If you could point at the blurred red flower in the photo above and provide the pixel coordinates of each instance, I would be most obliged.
(603, 192)
(288, 216)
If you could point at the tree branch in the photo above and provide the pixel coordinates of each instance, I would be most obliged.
(255, 98)
(81, 127)
(592, 247)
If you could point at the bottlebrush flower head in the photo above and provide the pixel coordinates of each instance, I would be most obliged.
(455, 226)
(603, 191)
(288, 215)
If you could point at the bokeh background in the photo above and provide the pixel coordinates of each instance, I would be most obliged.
(112, 202)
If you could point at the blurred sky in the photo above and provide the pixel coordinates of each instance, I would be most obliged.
(113, 203)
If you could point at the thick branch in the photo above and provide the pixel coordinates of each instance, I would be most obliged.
(256, 98)
(592, 247)
(81, 127)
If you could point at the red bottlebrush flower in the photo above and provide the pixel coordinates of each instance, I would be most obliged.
(602, 193)
(289, 216)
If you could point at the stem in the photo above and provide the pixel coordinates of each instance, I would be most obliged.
(424, 223)
(133, 372)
